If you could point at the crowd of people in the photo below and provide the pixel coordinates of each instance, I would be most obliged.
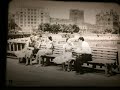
(33, 50)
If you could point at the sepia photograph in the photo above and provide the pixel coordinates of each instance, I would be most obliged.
(63, 43)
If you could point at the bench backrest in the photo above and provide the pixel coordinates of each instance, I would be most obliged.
(58, 49)
(100, 53)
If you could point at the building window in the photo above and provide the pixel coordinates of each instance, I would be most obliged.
(34, 22)
(21, 12)
(42, 13)
(31, 19)
(31, 22)
(28, 22)
(108, 19)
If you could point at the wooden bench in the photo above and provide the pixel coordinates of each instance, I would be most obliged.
(103, 56)
(58, 50)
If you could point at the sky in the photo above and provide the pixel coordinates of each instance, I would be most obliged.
(60, 9)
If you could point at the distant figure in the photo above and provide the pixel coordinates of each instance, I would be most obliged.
(67, 53)
(85, 55)
(47, 50)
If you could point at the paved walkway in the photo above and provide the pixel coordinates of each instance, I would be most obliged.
(36, 75)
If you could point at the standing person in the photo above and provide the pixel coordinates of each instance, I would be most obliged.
(47, 50)
(85, 51)
(67, 53)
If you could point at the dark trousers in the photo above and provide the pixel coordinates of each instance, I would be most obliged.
(80, 59)
(35, 51)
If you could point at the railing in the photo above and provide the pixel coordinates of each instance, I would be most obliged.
(15, 45)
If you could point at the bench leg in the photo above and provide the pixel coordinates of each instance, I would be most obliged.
(39, 60)
(30, 61)
(47, 62)
(64, 66)
(26, 61)
(43, 61)
(68, 66)
(108, 70)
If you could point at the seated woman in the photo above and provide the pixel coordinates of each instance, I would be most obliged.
(47, 50)
(67, 54)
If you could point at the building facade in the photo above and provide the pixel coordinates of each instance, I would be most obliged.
(29, 18)
(77, 16)
(107, 20)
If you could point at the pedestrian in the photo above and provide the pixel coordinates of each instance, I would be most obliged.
(84, 52)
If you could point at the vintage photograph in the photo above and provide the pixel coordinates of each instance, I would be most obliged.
(63, 43)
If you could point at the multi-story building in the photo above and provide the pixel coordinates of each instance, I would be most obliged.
(107, 20)
(77, 16)
(29, 18)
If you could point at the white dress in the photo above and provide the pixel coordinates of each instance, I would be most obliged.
(48, 49)
(67, 55)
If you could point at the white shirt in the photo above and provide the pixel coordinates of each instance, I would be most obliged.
(86, 48)
(49, 45)
(37, 44)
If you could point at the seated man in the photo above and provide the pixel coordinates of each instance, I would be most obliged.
(85, 55)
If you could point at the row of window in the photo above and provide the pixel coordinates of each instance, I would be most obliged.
(28, 19)
(28, 22)
(105, 23)
(21, 16)
(26, 25)
(25, 9)
(29, 13)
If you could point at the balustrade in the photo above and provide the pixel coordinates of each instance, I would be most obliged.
(15, 46)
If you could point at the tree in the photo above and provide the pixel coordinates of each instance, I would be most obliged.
(75, 28)
(108, 31)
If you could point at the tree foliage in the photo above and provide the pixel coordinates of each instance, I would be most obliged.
(56, 28)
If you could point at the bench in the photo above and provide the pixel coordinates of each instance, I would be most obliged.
(103, 56)
(58, 50)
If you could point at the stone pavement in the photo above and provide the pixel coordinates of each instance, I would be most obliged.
(36, 75)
